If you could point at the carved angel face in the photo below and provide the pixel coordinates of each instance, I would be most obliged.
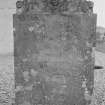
(56, 2)
(55, 5)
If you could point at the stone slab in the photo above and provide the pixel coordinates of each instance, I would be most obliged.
(53, 58)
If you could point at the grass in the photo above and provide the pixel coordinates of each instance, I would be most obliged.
(6, 80)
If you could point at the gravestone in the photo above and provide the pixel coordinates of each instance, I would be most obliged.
(54, 42)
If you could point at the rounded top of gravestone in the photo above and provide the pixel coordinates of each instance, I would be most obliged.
(54, 6)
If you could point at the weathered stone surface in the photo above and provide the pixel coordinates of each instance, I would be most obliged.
(53, 52)
(53, 58)
(54, 6)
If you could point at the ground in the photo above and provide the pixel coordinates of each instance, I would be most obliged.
(99, 80)
(6, 79)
